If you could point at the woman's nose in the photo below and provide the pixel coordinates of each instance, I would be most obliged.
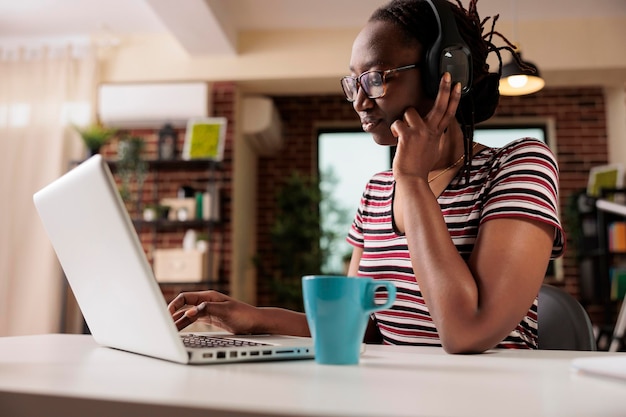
(362, 101)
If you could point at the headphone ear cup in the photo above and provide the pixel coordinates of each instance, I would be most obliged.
(485, 96)
(431, 77)
(433, 71)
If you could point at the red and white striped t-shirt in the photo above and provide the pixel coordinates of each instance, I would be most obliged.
(518, 180)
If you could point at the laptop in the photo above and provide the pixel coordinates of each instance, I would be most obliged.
(610, 366)
(113, 283)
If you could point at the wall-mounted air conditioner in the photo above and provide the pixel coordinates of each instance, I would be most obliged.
(262, 127)
(151, 105)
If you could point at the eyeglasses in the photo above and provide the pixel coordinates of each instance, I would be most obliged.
(372, 82)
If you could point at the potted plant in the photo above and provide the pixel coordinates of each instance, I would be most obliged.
(131, 168)
(298, 242)
(94, 136)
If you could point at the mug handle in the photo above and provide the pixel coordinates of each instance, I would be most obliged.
(391, 295)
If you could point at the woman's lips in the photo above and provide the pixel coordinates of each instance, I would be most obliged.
(369, 125)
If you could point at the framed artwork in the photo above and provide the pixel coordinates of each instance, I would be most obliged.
(205, 138)
(605, 176)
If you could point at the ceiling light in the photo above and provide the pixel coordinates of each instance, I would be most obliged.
(518, 81)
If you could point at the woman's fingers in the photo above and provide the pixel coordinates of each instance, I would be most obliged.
(182, 322)
(410, 120)
(184, 318)
(446, 104)
(441, 102)
(398, 128)
(194, 312)
(177, 303)
(192, 299)
(439, 117)
(187, 306)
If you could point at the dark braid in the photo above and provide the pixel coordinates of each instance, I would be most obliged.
(416, 20)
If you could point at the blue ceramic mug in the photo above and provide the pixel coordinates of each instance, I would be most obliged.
(337, 311)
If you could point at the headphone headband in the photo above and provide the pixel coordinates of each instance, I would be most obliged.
(449, 52)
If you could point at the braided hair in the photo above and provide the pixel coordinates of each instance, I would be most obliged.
(417, 23)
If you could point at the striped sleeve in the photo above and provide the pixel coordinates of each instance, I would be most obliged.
(375, 206)
(526, 185)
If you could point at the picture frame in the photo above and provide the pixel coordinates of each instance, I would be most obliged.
(204, 138)
(167, 143)
(605, 176)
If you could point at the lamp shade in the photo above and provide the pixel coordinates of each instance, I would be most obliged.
(518, 81)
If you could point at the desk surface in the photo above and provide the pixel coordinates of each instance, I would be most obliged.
(70, 375)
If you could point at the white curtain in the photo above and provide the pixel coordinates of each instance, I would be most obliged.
(42, 90)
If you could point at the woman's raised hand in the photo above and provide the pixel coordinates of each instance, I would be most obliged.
(419, 138)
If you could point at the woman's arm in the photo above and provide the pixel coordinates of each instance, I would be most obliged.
(372, 333)
(217, 309)
(355, 260)
(474, 305)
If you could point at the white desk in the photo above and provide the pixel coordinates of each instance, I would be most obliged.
(69, 375)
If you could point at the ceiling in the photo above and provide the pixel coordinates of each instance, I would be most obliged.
(192, 22)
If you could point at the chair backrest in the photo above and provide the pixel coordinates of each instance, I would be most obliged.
(563, 323)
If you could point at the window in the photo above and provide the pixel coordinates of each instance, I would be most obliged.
(346, 161)
(497, 136)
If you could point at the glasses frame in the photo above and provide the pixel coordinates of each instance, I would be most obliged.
(383, 75)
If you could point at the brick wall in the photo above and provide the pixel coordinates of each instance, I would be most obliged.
(169, 181)
(581, 140)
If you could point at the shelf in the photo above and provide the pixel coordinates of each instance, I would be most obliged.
(162, 164)
(158, 233)
(205, 283)
(611, 207)
(178, 164)
(175, 224)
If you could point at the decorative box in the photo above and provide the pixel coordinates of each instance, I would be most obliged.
(180, 208)
(180, 265)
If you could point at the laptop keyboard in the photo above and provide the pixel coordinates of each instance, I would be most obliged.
(203, 341)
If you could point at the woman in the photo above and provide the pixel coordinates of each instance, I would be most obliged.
(465, 232)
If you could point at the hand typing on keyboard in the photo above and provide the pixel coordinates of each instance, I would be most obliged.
(237, 317)
(215, 309)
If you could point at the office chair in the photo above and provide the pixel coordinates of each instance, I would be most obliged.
(563, 323)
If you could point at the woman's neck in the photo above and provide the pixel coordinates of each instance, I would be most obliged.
(451, 148)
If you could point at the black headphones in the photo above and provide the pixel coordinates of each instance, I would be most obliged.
(449, 53)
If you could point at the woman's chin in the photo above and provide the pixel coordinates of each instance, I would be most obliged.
(385, 140)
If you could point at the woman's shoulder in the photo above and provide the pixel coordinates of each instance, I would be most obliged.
(524, 145)
(530, 147)
(383, 177)
(523, 156)
(381, 183)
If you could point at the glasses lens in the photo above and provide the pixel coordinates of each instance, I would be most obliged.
(372, 83)
(349, 87)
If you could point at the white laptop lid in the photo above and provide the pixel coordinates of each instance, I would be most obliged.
(104, 263)
(113, 283)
